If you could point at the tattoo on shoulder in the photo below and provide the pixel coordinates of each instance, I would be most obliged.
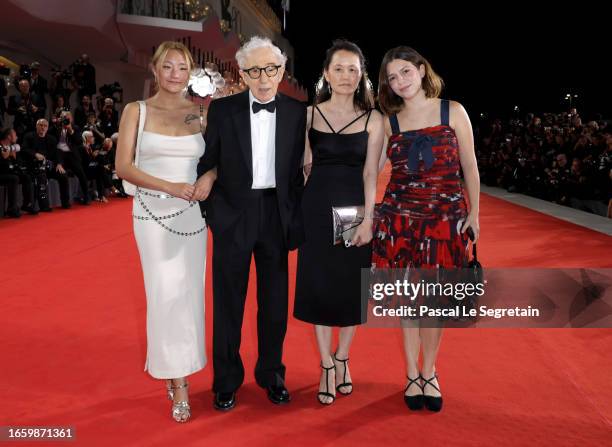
(189, 118)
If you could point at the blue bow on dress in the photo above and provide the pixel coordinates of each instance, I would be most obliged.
(421, 150)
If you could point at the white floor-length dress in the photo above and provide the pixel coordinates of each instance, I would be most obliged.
(171, 238)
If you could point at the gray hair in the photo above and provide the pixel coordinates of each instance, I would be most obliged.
(258, 42)
(114, 137)
(85, 135)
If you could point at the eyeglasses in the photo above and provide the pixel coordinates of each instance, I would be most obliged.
(255, 72)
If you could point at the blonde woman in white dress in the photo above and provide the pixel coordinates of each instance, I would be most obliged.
(168, 227)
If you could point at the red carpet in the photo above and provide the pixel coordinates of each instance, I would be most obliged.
(73, 351)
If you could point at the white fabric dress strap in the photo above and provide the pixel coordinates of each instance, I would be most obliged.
(142, 116)
(141, 123)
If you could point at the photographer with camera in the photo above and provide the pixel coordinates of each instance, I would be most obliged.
(38, 84)
(26, 107)
(109, 118)
(59, 106)
(7, 177)
(84, 76)
(93, 125)
(14, 165)
(62, 84)
(93, 164)
(110, 145)
(69, 156)
(82, 111)
(41, 150)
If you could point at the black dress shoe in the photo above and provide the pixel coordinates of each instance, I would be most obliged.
(14, 213)
(29, 209)
(432, 403)
(278, 394)
(417, 401)
(224, 401)
(46, 210)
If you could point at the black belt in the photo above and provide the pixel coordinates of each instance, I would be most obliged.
(264, 192)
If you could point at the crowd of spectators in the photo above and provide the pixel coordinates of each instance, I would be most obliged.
(57, 143)
(552, 156)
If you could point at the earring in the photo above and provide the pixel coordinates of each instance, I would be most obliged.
(329, 89)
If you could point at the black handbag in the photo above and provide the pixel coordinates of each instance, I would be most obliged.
(476, 270)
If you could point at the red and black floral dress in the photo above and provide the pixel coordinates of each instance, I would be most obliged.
(420, 218)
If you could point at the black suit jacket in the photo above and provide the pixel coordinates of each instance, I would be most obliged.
(46, 146)
(228, 148)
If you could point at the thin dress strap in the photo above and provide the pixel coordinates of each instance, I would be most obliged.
(444, 112)
(394, 124)
(355, 120)
(325, 119)
(312, 115)
(368, 119)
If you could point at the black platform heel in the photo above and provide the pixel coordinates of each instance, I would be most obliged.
(417, 401)
(326, 393)
(432, 403)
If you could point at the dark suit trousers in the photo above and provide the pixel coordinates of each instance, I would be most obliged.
(72, 163)
(258, 232)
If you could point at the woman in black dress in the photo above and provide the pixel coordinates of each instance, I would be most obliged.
(344, 143)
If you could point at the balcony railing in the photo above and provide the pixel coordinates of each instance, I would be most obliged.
(191, 10)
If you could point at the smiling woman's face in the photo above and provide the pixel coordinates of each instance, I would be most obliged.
(344, 72)
(172, 73)
(404, 78)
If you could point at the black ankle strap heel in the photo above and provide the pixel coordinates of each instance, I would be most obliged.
(326, 393)
(344, 381)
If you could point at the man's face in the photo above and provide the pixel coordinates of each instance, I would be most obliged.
(24, 87)
(86, 101)
(42, 127)
(561, 160)
(264, 88)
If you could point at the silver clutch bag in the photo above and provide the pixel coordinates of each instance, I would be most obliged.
(346, 219)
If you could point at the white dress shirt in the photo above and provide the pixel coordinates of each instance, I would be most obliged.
(263, 142)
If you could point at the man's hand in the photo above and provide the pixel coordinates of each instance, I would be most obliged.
(39, 157)
(59, 168)
(204, 185)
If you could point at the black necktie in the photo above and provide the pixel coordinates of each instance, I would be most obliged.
(270, 106)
